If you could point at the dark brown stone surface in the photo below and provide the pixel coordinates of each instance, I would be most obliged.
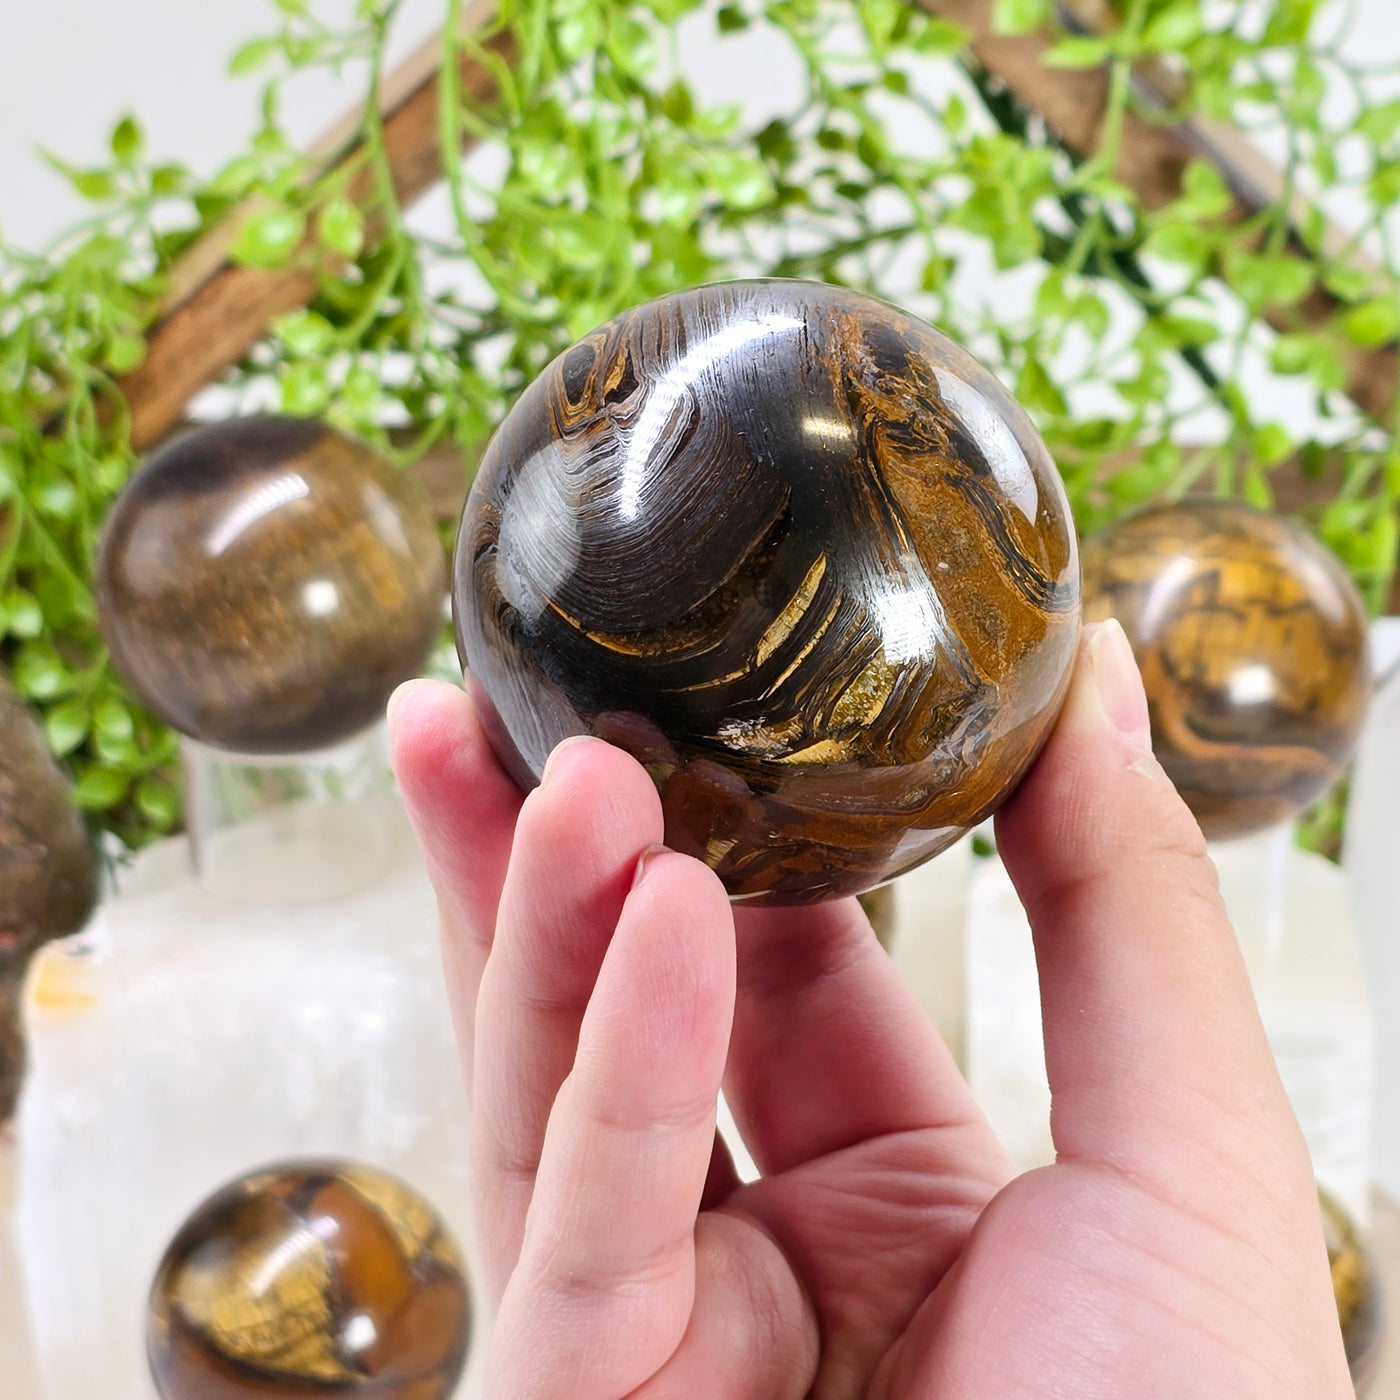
(309, 1281)
(1252, 642)
(265, 583)
(48, 872)
(797, 552)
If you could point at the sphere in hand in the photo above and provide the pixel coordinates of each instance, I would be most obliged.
(1252, 644)
(1356, 1286)
(308, 1281)
(799, 554)
(264, 584)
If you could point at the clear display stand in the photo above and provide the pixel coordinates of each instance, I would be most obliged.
(185, 1038)
(291, 829)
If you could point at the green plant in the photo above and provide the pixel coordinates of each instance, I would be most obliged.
(602, 178)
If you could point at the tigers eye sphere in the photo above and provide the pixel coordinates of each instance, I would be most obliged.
(1252, 641)
(310, 1281)
(1357, 1288)
(264, 584)
(795, 551)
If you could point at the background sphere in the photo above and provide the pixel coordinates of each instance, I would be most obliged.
(265, 583)
(310, 1280)
(799, 554)
(1360, 1302)
(1253, 646)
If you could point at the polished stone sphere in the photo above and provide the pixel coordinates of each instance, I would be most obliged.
(264, 584)
(799, 554)
(310, 1281)
(48, 872)
(1360, 1303)
(1252, 642)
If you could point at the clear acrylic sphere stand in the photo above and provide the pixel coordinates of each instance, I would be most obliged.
(288, 829)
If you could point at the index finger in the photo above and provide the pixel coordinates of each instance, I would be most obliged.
(463, 806)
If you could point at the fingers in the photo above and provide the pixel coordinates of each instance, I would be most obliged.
(577, 841)
(463, 808)
(831, 1048)
(605, 1284)
(1153, 1043)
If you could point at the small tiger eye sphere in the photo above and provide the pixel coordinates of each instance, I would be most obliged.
(1252, 642)
(264, 584)
(306, 1281)
(1360, 1303)
(795, 551)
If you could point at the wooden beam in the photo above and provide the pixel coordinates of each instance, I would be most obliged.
(215, 310)
(1152, 157)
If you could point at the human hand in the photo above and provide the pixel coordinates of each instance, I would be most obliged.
(604, 991)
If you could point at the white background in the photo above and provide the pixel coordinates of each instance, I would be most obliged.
(70, 68)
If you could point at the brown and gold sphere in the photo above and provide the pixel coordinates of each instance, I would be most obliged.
(310, 1281)
(48, 872)
(797, 552)
(1252, 642)
(264, 584)
(1360, 1302)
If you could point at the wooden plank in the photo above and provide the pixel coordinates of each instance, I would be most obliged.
(1153, 157)
(216, 311)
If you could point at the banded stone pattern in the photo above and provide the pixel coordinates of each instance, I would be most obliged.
(799, 554)
(310, 1281)
(1252, 643)
(264, 584)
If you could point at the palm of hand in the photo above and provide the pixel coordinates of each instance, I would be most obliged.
(887, 1250)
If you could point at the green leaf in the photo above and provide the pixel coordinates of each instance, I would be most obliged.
(100, 788)
(1019, 16)
(305, 388)
(57, 497)
(341, 227)
(168, 179)
(1205, 194)
(741, 179)
(1348, 283)
(1272, 443)
(940, 37)
(304, 333)
(731, 20)
(156, 801)
(23, 617)
(268, 239)
(1268, 279)
(1379, 124)
(1172, 31)
(1373, 322)
(252, 56)
(127, 140)
(66, 726)
(677, 104)
(113, 718)
(124, 353)
(1292, 354)
(39, 674)
(96, 185)
(1180, 243)
(1078, 52)
(1038, 392)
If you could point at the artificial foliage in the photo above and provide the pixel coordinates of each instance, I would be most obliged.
(604, 175)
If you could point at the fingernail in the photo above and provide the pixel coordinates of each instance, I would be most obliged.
(644, 860)
(559, 748)
(1120, 684)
